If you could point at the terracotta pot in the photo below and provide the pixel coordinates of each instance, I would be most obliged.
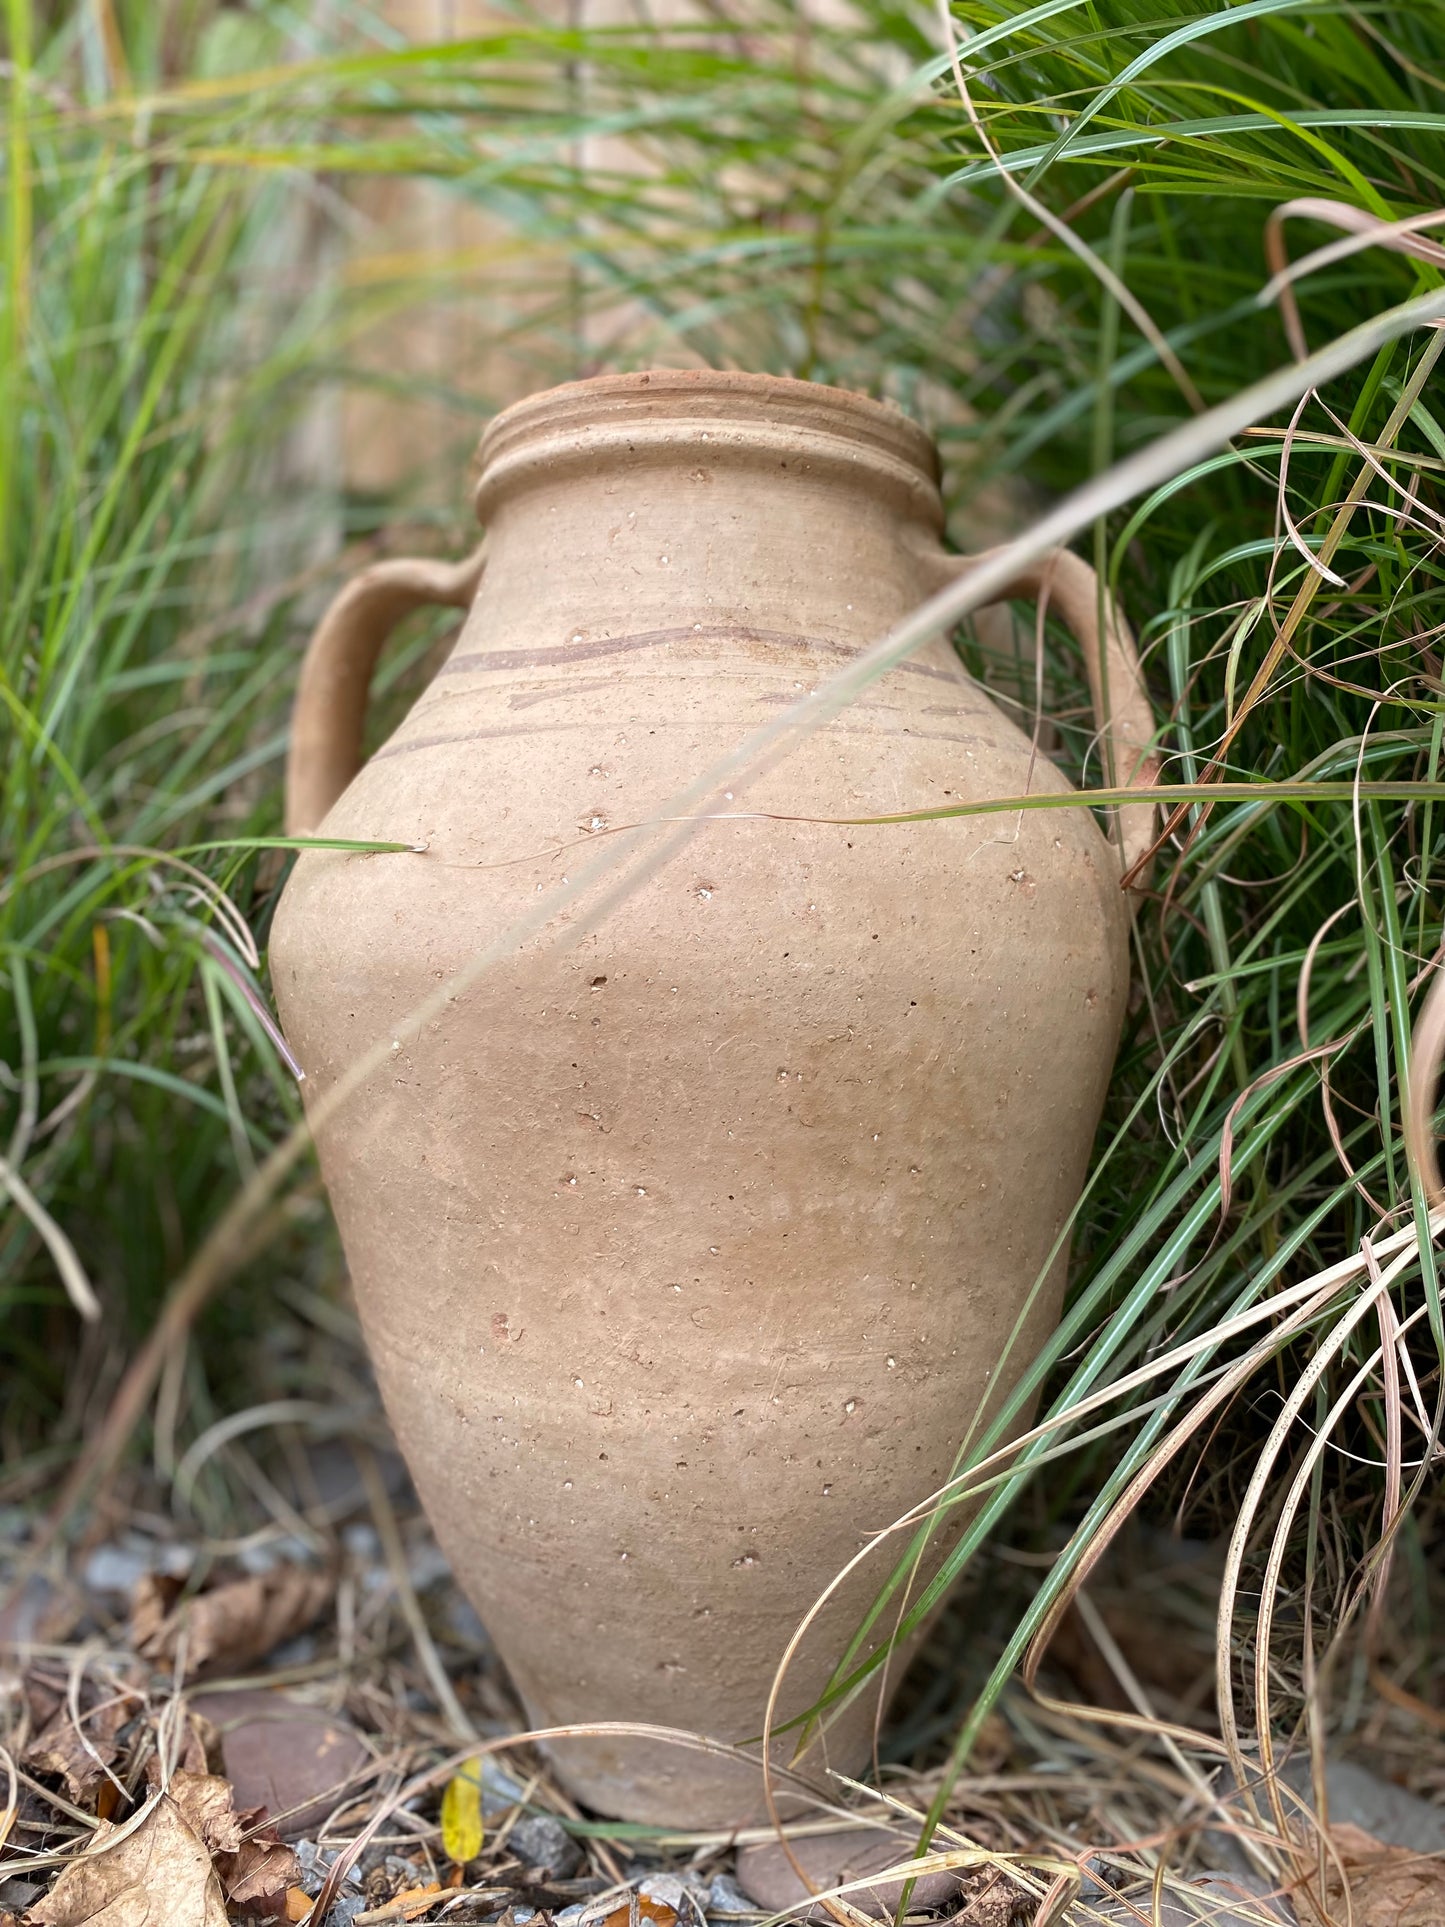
(687, 1254)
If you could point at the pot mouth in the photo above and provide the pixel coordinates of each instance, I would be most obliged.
(661, 414)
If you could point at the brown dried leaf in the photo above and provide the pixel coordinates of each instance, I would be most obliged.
(151, 1605)
(255, 1871)
(655, 1912)
(189, 1751)
(160, 1875)
(258, 1875)
(229, 1626)
(412, 1902)
(1389, 1886)
(255, 1865)
(44, 1695)
(59, 1748)
(206, 1803)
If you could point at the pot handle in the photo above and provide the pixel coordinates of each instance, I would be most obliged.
(330, 711)
(1064, 581)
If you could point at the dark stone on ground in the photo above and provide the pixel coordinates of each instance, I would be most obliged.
(282, 1754)
(1391, 1813)
(725, 1897)
(1210, 1898)
(545, 1846)
(345, 1910)
(315, 1863)
(832, 1859)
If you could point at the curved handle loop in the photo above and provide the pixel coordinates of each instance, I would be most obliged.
(1065, 582)
(330, 712)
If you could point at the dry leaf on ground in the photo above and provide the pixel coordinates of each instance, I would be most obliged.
(650, 1912)
(229, 1626)
(79, 1756)
(259, 1874)
(1389, 1886)
(207, 1805)
(255, 1865)
(159, 1875)
(410, 1904)
(190, 1748)
(462, 1829)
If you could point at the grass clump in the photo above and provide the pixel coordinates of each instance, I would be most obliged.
(151, 550)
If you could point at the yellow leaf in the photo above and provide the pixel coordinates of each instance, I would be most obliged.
(462, 1831)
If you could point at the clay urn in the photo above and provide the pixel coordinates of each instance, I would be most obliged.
(688, 1249)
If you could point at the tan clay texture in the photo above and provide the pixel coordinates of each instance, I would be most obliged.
(688, 1255)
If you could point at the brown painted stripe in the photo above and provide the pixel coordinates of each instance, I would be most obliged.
(404, 747)
(496, 661)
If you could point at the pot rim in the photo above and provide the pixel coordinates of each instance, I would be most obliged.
(656, 414)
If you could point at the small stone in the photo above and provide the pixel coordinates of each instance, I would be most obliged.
(1355, 1796)
(726, 1897)
(832, 1860)
(283, 1754)
(316, 1864)
(362, 1541)
(115, 1569)
(1100, 1877)
(287, 1550)
(427, 1565)
(546, 1846)
(1252, 1891)
(1207, 1897)
(570, 1915)
(668, 1889)
(1377, 1806)
(312, 1864)
(120, 1565)
(345, 1910)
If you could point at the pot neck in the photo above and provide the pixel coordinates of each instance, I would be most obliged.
(668, 417)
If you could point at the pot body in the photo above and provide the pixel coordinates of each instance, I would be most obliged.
(689, 1248)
